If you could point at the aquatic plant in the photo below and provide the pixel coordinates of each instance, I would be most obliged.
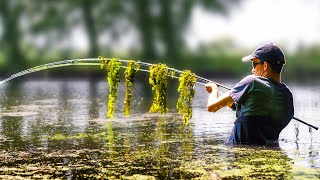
(186, 91)
(113, 77)
(129, 75)
(158, 80)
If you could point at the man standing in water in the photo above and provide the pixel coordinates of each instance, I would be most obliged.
(264, 105)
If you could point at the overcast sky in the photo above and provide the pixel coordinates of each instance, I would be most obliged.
(287, 22)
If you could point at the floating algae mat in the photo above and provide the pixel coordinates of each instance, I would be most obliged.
(158, 148)
(219, 162)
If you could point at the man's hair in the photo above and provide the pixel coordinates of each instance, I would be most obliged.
(277, 68)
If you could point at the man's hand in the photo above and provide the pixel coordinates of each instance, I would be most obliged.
(211, 86)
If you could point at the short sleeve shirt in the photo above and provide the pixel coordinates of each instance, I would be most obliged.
(263, 107)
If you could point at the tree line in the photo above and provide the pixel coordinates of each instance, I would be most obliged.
(158, 23)
(37, 32)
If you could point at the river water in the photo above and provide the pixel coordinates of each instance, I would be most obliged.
(59, 129)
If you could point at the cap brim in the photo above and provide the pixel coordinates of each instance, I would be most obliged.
(247, 58)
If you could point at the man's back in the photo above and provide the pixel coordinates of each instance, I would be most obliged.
(264, 107)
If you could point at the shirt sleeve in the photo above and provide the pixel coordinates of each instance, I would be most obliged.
(242, 88)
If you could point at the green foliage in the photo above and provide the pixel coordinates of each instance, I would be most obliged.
(158, 80)
(186, 90)
(129, 76)
(113, 77)
(303, 65)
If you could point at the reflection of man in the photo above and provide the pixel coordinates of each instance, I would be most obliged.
(264, 105)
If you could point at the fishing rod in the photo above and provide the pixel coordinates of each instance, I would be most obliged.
(100, 60)
(93, 62)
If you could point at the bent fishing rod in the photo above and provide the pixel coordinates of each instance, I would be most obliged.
(100, 60)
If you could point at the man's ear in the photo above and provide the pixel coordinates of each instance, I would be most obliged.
(266, 65)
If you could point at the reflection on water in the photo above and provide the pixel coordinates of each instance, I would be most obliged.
(55, 129)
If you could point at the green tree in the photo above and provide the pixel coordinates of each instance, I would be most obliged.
(145, 27)
(161, 23)
(51, 22)
(90, 25)
(174, 17)
(10, 13)
(95, 17)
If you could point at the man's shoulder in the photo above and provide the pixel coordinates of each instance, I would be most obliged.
(283, 85)
(248, 79)
(256, 82)
(253, 78)
(285, 88)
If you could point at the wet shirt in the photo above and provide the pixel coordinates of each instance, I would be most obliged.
(263, 108)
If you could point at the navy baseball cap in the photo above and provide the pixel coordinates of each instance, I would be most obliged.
(267, 52)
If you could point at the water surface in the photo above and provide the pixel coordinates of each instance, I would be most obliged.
(59, 129)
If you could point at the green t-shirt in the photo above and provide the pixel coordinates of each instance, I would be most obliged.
(262, 100)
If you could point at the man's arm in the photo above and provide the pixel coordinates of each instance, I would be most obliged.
(214, 102)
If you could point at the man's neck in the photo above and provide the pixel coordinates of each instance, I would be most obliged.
(274, 76)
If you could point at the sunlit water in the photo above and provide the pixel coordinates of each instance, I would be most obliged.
(59, 129)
